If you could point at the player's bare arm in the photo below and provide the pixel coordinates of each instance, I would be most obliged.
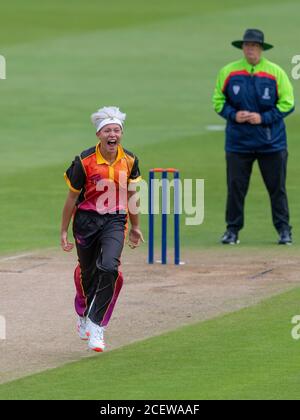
(135, 234)
(66, 219)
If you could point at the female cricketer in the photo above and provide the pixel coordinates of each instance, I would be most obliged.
(98, 199)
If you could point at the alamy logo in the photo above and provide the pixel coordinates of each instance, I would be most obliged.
(236, 89)
(296, 69)
(267, 94)
(296, 329)
(190, 197)
(2, 328)
(2, 68)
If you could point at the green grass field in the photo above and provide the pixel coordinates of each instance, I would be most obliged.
(158, 61)
(245, 355)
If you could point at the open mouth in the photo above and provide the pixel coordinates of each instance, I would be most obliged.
(112, 142)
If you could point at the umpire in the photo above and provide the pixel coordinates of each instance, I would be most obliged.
(254, 95)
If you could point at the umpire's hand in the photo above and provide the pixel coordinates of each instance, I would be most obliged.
(254, 118)
(242, 116)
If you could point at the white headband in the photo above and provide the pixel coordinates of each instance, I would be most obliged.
(107, 121)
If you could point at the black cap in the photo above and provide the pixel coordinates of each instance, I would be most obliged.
(253, 35)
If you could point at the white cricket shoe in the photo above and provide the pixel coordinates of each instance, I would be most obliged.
(96, 338)
(82, 328)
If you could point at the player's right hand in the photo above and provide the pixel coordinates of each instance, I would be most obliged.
(65, 244)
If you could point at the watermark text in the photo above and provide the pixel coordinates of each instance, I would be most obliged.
(2, 68)
(296, 68)
(175, 196)
(2, 328)
(296, 329)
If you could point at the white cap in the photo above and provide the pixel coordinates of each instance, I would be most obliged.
(108, 115)
(108, 121)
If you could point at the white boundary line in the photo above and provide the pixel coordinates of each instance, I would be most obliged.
(215, 127)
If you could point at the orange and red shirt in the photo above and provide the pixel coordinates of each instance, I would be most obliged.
(102, 186)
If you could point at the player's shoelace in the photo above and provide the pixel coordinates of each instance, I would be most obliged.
(82, 323)
(99, 333)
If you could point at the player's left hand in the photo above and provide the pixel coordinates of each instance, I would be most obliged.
(135, 238)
